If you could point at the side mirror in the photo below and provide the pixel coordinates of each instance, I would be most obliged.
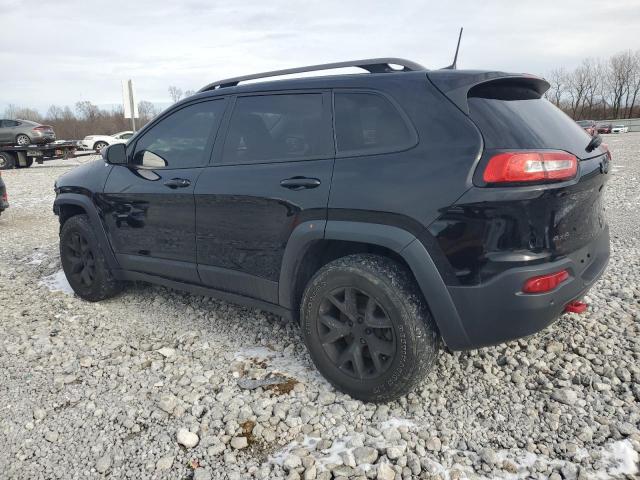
(115, 154)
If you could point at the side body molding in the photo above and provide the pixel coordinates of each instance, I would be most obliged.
(394, 238)
(88, 206)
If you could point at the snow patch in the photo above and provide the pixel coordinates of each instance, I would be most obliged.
(279, 362)
(57, 282)
(325, 459)
(397, 423)
(36, 258)
(623, 458)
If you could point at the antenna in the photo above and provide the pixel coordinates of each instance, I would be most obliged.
(453, 66)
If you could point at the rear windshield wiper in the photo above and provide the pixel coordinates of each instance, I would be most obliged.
(594, 143)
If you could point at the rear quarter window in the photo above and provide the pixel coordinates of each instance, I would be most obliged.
(369, 123)
(526, 123)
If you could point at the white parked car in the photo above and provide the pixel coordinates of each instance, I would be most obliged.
(619, 129)
(98, 142)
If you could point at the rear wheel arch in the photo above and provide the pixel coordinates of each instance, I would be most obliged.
(306, 254)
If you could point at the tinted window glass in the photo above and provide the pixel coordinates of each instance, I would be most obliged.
(10, 123)
(369, 122)
(277, 128)
(180, 139)
(531, 123)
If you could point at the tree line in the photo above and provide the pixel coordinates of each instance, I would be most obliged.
(599, 89)
(85, 119)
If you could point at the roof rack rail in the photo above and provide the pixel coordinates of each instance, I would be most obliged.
(372, 65)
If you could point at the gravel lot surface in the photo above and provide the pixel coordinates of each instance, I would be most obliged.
(161, 384)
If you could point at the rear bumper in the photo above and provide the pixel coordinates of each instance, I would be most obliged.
(497, 311)
(42, 140)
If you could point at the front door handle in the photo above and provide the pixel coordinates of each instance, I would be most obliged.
(178, 183)
(300, 183)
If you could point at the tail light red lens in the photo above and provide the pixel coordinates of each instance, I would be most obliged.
(515, 167)
(42, 128)
(545, 283)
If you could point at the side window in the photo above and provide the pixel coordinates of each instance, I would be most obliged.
(179, 140)
(126, 136)
(9, 123)
(278, 127)
(369, 123)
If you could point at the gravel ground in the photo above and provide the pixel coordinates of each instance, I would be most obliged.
(159, 384)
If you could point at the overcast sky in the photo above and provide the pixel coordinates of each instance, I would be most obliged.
(62, 51)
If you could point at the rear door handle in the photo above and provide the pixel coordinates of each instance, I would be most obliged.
(300, 183)
(178, 183)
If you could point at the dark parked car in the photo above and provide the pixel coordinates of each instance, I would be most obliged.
(386, 212)
(604, 127)
(589, 126)
(25, 132)
(4, 199)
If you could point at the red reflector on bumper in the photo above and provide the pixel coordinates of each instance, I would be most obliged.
(545, 283)
(576, 307)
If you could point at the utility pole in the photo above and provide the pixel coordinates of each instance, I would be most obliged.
(129, 102)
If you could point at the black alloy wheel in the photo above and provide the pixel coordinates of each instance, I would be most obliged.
(356, 333)
(81, 258)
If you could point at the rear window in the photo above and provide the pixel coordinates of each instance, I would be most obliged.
(368, 123)
(276, 128)
(525, 123)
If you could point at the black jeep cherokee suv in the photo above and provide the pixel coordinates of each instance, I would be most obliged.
(388, 212)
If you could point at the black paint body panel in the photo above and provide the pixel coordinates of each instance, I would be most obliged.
(235, 231)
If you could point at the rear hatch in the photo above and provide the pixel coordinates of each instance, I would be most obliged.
(546, 218)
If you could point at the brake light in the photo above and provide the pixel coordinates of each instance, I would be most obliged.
(511, 167)
(545, 283)
(42, 128)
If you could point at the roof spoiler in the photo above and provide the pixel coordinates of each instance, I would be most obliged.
(458, 85)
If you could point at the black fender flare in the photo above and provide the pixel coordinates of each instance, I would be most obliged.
(88, 206)
(394, 238)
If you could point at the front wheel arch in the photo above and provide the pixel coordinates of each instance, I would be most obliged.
(75, 203)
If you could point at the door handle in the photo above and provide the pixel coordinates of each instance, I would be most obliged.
(178, 183)
(300, 183)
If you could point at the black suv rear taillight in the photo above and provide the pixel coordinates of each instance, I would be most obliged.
(530, 167)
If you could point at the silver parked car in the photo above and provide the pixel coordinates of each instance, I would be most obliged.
(24, 132)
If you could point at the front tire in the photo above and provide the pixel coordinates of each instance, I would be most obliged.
(84, 263)
(7, 161)
(367, 327)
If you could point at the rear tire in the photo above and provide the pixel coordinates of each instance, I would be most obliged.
(23, 140)
(84, 263)
(7, 161)
(367, 327)
(99, 146)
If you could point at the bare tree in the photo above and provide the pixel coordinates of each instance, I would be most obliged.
(175, 93)
(147, 110)
(188, 93)
(558, 88)
(634, 82)
(620, 68)
(23, 113)
(577, 89)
